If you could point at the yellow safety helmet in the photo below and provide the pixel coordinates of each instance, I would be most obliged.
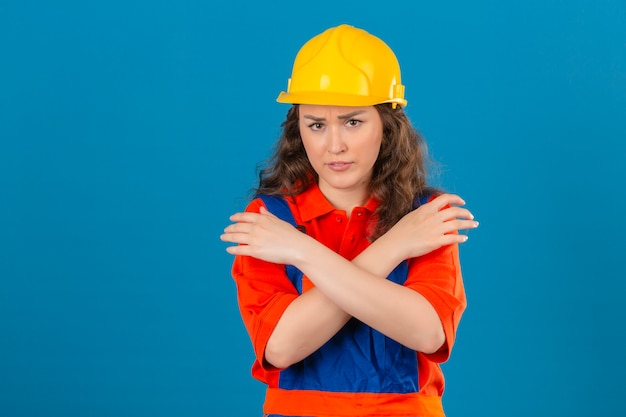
(345, 66)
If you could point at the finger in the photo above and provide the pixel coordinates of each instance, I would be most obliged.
(247, 217)
(264, 211)
(242, 250)
(226, 237)
(456, 225)
(444, 200)
(238, 228)
(453, 239)
(454, 212)
(239, 238)
(236, 250)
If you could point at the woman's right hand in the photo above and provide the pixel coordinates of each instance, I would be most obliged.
(432, 225)
(263, 236)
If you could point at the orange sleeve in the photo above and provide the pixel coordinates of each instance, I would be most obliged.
(437, 276)
(263, 293)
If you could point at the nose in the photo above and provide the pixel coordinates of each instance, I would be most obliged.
(336, 143)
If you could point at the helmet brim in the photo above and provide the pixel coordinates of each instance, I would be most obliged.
(335, 99)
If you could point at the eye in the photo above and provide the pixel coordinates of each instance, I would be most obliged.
(316, 126)
(353, 122)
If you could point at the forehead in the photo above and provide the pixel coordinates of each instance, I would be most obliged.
(333, 111)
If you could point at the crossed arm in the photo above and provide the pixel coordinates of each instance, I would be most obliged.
(345, 289)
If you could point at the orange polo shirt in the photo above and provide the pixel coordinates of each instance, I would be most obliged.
(264, 292)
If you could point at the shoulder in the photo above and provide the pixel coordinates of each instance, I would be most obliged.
(426, 196)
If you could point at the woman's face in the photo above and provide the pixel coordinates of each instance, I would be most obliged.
(342, 144)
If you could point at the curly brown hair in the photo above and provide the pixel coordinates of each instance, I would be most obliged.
(398, 178)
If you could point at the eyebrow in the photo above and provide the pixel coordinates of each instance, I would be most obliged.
(342, 116)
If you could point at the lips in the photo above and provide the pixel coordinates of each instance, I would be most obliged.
(339, 165)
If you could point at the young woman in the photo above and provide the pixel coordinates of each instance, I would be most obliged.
(351, 312)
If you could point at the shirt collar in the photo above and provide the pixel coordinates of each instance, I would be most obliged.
(312, 203)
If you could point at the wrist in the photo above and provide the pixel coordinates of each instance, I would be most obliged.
(302, 249)
(393, 245)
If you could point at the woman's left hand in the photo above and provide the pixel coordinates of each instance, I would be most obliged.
(432, 225)
(263, 236)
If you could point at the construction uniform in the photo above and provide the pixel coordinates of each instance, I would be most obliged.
(359, 371)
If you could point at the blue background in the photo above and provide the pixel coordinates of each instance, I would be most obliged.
(131, 130)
